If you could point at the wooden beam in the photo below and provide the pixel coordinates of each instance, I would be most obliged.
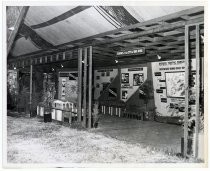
(197, 107)
(19, 21)
(161, 28)
(90, 88)
(103, 53)
(186, 90)
(79, 100)
(31, 84)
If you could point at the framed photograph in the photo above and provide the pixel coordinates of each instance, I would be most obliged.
(103, 74)
(97, 77)
(124, 94)
(125, 78)
(138, 79)
(175, 86)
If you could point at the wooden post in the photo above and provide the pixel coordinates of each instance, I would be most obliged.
(85, 87)
(90, 87)
(186, 89)
(79, 100)
(197, 107)
(70, 116)
(31, 83)
(119, 73)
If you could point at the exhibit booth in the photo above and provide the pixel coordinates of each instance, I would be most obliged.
(149, 68)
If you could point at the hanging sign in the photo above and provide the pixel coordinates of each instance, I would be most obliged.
(131, 52)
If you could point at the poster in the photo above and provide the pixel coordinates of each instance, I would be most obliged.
(175, 84)
(138, 79)
(124, 94)
(125, 78)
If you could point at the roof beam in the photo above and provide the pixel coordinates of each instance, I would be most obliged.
(158, 29)
(152, 21)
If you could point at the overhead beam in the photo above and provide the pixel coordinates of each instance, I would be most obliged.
(160, 28)
(152, 21)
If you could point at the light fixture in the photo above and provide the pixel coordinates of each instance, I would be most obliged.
(159, 57)
(14, 67)
(53, 69)
(11, 28)
(61, 66)
(116, 61)
(83, 62)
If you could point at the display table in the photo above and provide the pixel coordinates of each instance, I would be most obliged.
(60, 110)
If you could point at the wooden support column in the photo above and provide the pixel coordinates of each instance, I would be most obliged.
(186, 89)
(79, 100)
(31, 84)
(197, 107)
(90, 88)
(119, 74)
(85, 87)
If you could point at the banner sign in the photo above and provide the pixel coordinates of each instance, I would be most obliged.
(135, 69)
(131, 52)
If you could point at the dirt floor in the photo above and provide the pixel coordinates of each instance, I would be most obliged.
(162, 136)
(30, 140)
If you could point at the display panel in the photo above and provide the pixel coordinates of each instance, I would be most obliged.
(175, 84)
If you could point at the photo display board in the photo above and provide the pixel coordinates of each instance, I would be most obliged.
(103, 78)
(169, 86)
(131, 79)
